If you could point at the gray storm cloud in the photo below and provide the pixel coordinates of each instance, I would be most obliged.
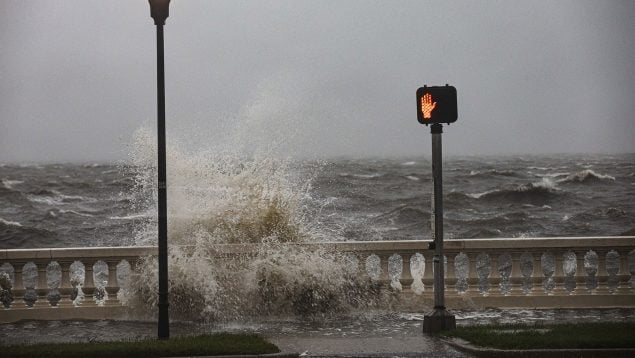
(319, 78)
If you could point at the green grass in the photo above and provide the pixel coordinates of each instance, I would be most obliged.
(216, 344)
(549, 336)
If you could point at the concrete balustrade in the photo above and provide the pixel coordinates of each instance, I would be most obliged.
(569, 272)
(72, 283)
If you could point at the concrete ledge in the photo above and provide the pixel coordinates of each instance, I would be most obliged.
(468, 347)
(408, 300)
(271, 355)
(63, 313)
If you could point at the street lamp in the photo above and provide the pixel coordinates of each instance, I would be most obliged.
(159, 11)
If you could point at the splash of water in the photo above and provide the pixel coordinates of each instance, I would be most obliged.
(226, 198)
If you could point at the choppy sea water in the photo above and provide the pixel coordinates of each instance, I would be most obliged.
(226, 198)
(61, 205)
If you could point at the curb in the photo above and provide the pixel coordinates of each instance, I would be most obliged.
(467, 347)
(270, 355)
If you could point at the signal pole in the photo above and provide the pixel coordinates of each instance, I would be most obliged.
(436, 105)
(440, 319)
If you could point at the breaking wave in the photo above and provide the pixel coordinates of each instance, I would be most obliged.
(586, 176)
(531, 192)
(220, 197)
(9, 223)
(9, 184)
(361, 176)
(507, 173)
(403, 215)
(15, 234)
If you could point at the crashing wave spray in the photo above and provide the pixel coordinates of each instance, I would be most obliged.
(225, 198)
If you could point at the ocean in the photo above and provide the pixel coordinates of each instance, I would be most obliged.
(232, 199)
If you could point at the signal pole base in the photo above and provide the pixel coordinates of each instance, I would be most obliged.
(437, 321)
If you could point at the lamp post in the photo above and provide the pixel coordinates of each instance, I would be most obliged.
(159, 11)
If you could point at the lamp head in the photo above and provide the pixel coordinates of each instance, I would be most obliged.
(159, 10)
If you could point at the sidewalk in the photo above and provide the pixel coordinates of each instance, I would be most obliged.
(421, 346)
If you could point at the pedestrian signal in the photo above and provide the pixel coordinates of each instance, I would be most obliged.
(436, 104)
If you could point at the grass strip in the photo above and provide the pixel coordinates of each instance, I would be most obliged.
(215, 344)
(549, 336)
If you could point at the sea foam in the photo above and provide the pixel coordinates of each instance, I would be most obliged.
(223, 197)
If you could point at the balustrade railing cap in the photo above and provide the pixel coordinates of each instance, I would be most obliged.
(78, 252)
(397, 246)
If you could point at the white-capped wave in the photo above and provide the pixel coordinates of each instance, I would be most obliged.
(554, 175)
(545, 185)
(361, 176)
(75, 198)
(479, 195)
(8, 184)
(54, 198)
(493, 172)
(132, 217)
(412, 177)
(409, 163)
(539, 168)
(62, 211)
(585, 175)
(48, 200)
(9, 223)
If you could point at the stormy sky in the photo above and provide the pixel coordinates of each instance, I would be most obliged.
(316, 78)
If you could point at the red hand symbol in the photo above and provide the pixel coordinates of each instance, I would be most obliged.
(427, 106)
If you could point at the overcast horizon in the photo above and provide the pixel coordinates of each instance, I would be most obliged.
(316, 79)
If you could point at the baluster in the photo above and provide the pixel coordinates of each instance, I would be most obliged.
(428, 274)
(100, 269)
(373, 268)
(450, 275)
(30, 279)
(472, 275)
(494, 278)
(630, 266)
(591, 271)
(580, 274)
(7, 301)
(89, 284)
(548, 269)
(112, 287)
(406, 276)
(602, 275)
(461, 272)
(516, 277)
(569, 270)
(613, 269)
(395, 271)
(417, 265)
(18, 286)
(42, 287)
(624, 286)
(537, 276)
(558, 275)
(504, 269)
(65, 284)
(361, 267)
(384, 276)
(484, 262)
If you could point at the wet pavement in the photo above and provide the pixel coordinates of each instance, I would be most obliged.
(367, 334)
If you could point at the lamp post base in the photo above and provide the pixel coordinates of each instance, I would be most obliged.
(438, 321)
